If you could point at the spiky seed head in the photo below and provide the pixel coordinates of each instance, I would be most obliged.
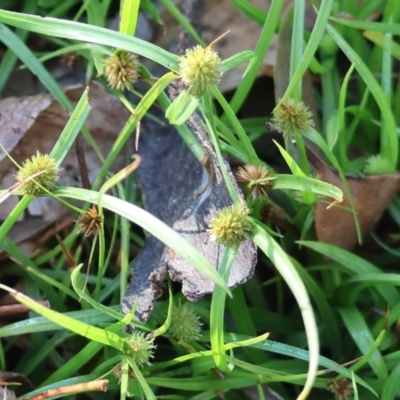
(377, 165)
(185, 324)
(341, 387)
(40, 169)
(90, 222)
(230, 226)
(118, 372)
(121, 70)
(140, 348)
(257, 178)
(293, 117)
(200, 69)
(272, 213)
(69, 60)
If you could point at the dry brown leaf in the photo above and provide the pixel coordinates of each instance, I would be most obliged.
(34, 123)
(371, 195)
(24, 233)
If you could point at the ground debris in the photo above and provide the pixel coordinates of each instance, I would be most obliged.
(169, 176)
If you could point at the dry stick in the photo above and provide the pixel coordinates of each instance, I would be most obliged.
(19, 308)
(67, 254)
(97, 385)
(80, 154)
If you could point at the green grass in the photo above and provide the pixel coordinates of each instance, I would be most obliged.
(312, 312)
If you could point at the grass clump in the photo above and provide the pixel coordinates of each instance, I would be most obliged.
(325, 308)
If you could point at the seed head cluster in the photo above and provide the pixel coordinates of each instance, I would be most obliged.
(122, 70)
(38, 174)
(230, 226)
(90, 222)
(377, 165)
(140, 348)
(200, 69)
(185, 323)
(341, 387)
(293, 117)
(257, 178)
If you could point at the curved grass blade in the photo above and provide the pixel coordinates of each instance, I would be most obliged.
(129, 16)
(87, 33)
(91, 332)
(41, 324)
(308, 198)
(180, 110)
(296, 48)
(361, 335)
(143, 384)
(383, 27)
(297, 353)
(167, 323)
(304, 183)
(156, 91)
(256, 14)
(311, 47)
(174, 11)
(245, 144)
(379, 39)
(289, 273)
(9, 59)
(356, 265)
(26, 56)
(391, 386)
(389, 142)
(151, 224)
(106, 310)
(269, 25)
(217, 312)
(326, 312)
(62, 146)
(239, 58)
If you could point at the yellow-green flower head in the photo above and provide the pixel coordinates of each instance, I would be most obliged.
(121, 70)
(140, 348)
(231, 226)
(200, 69)
(293, 117)
(41, 170)
(185, 324)
(377, 165)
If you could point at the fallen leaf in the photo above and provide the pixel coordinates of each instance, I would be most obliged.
(34, 123)
(24, 234)
(371, 195)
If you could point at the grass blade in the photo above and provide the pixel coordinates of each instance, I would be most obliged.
(289, 273)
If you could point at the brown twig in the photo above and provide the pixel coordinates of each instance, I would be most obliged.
(80, 154)
(97, 385)
(19, 308)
